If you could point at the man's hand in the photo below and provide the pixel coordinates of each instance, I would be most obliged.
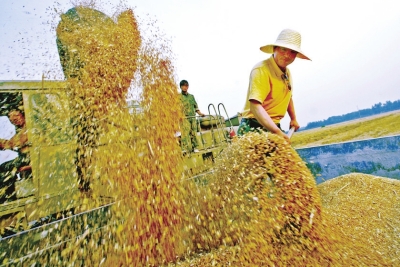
(282, 134)
(295, 124)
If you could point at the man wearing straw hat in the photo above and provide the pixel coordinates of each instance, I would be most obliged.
(269, 94)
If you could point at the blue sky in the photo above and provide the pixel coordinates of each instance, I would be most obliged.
(353, 46)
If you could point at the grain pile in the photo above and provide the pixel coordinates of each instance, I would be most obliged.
(365, 209)
(260, 207)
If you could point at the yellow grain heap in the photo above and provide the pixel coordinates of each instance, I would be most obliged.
(261, 207)
(366, 210)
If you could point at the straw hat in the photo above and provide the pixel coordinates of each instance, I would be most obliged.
(289, 39)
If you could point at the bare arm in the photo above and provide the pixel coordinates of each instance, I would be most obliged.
(200, 113)
(265, 120)
(292, 114)
(17, 140)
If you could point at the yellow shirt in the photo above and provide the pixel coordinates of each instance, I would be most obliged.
(268, 87)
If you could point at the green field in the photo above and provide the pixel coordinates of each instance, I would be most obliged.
(382, 125)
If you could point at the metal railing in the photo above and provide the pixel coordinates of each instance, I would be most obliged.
(217, 125)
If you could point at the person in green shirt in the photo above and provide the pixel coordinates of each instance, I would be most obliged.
(269, 95)
(190, 108)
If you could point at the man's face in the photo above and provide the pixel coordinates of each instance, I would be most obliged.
(184, 88)
(284, 56)
(16, 118)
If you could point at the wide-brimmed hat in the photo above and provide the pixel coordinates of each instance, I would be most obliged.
(289, 39)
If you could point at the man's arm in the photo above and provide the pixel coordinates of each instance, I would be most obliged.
(196, 107)
(264, 119)
(292, 114)
(200, 113)
(17, 140)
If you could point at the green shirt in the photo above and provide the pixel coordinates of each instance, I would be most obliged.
(189, 104)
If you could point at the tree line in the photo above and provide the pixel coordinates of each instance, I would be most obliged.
(374, 110)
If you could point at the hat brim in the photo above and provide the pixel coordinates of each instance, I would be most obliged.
(269, 49)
